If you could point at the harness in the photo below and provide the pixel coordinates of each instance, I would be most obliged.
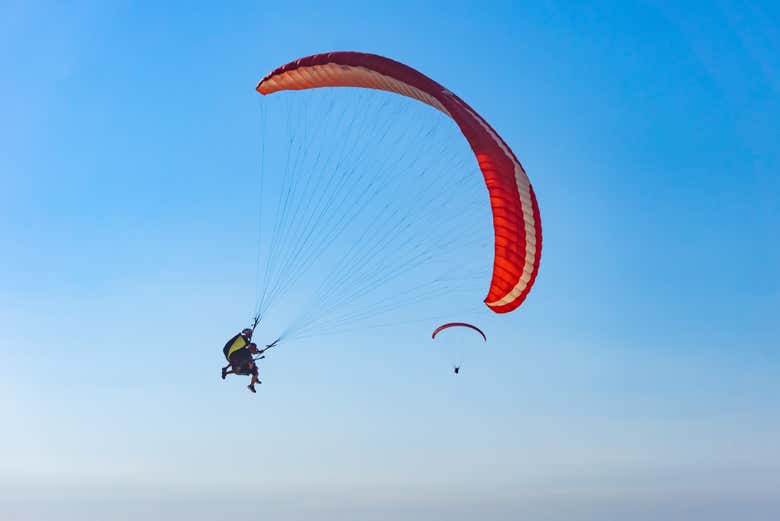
(236, 343)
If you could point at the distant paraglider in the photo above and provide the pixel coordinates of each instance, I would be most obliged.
(456, 368)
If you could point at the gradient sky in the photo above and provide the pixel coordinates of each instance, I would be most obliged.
(639, 381)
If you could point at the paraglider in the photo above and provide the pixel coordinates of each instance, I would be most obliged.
(239, 351)
(456, 368)
(242, 355)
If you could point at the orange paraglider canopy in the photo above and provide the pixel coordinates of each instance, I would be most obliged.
(516, 220)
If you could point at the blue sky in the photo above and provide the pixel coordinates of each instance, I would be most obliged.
(639, 379)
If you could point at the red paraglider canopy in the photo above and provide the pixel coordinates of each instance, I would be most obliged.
(458, 324)
(516, 221)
